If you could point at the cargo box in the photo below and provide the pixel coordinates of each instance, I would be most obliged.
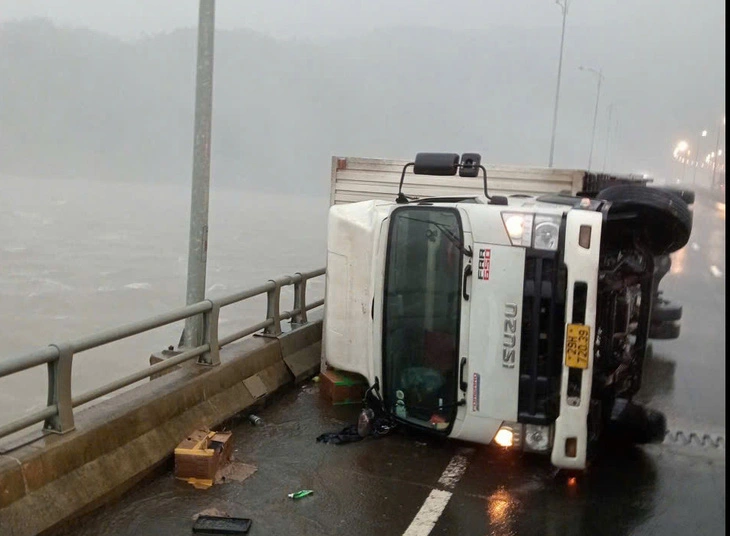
(341, 387)
(199, 456)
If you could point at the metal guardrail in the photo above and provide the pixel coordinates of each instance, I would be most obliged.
(58, 414)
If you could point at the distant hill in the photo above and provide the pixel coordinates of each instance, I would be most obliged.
(79, 103)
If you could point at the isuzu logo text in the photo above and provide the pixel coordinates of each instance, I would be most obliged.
(510, 335)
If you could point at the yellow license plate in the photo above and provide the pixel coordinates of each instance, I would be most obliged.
(577, 342)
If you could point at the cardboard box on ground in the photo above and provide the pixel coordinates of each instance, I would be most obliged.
(342, 387)
(199, 456)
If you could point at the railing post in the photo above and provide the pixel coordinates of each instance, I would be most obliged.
(59, 390)
(272, 309)
(210, 335)
(300, 300)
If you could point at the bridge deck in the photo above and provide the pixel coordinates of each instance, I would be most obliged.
(401, 485)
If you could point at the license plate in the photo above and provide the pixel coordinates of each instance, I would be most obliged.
(576, 346)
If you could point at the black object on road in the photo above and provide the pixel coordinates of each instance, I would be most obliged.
(381, 426)
(221, 525)
(374, 421)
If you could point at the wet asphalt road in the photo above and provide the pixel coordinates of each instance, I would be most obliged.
(380, 486)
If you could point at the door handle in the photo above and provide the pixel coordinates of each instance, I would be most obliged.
(462, 381)
(467, 273)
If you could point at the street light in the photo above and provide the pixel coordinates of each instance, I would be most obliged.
(682, 149)
(598, 72)
(697, 155)
(564, 7)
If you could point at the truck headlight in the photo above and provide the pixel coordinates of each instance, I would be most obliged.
(519, 228)
(509, 436)
(504, 437)
(546, 234)
(541, 231)
(537, 437)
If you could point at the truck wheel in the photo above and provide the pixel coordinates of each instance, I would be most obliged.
(688, 196)
(663, 220)
(633, 423)
(665, 311)
(664, 330)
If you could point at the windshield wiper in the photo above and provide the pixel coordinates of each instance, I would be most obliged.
(447, 232)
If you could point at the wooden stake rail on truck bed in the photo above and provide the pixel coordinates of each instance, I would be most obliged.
(361, 179)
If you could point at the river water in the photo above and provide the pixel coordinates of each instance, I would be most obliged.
(79, 256)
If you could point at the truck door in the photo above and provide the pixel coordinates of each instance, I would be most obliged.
(421, 315)
(490, 337)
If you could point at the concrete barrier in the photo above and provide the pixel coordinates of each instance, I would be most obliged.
(119, 441)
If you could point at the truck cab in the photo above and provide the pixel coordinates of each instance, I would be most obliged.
(520, 321)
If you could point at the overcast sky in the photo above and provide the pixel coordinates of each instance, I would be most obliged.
(326, 18)
(692, 32)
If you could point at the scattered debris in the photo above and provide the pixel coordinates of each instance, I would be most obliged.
(373, 421)
(234, 472)
(308, 389)
(221, 525)
(340, 387)
(255, 419)
(380, 427)
(199, 483)
(211, 512)
(199, 456)
(315, 379)
(300, 494)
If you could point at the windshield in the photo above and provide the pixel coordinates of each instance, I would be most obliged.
(421, 315)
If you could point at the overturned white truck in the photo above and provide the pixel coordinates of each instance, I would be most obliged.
(500, 304)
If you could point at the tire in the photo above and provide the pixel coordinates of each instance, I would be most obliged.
(664, 330)
(688, 196)
(666, 311)
(636, 424)
(663, 220)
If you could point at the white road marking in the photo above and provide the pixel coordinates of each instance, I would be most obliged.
(715, 271)
(429, 514)
(436, 502)
(695, 246)
(454, 471)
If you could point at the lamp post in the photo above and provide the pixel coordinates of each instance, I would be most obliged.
(608, 135)
(697, 155)
(598, 72)
(198, 244)
(717, 153)
(564, 7)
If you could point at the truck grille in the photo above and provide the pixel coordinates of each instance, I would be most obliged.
(543, 321)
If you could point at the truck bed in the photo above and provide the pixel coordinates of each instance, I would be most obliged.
(360, 179)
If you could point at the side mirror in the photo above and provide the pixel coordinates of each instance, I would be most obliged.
(444, 164)
(470, 163)
(441, 164)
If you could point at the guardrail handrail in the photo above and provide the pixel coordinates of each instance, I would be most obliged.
(58, 413)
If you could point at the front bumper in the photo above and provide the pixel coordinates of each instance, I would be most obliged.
(571, 426)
